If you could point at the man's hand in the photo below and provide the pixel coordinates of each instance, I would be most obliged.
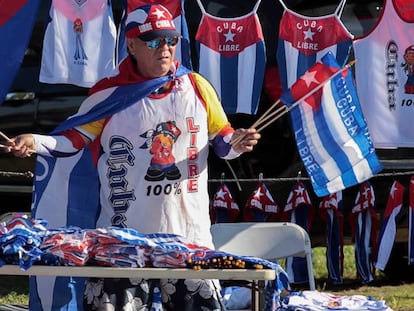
(21, 146)
(243, 140)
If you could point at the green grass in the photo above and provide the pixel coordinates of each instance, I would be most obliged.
(14, 289)
(400, 297)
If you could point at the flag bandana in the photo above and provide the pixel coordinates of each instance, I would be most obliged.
(331, 132)
(331, 208)
(388, 225)
(260, 206)
(223, 207)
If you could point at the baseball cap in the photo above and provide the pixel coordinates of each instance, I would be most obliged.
(149, 22)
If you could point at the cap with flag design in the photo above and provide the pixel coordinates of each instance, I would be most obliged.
(149, 22)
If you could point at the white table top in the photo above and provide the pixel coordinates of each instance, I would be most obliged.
(153, 273)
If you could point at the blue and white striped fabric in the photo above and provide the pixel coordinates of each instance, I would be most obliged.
(14, 38)
(331, 208)
(232, 56)
(364, 224)
(333, 138)
(411, 224)
(388, 229)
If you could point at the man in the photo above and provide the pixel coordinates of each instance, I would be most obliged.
(147, 131)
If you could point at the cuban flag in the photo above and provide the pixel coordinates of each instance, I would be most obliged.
(364, 224)
(223, 207)
(298, 210)
(260, 206)
(66, 185)
(388, 225)
(232, 56)
(331, 211)
(16, 23)
(411, 224)
(176, 8)
(331, 133)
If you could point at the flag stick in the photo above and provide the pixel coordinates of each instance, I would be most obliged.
(276, 113)
(4, 136)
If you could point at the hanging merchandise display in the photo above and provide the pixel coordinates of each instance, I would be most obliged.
(324, 127)
(384, 74)
(260, 206)
(79, 43)
(223, 207)
(231, 53)
(364, 224)
(176, 8)
(298, 210)
(331, 211)
(303, 40)
(388, 229)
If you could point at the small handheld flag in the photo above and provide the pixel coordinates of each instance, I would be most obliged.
(331, 133)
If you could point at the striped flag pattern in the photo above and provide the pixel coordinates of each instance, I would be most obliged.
(331, 133)
(388, 225)
(16, 23)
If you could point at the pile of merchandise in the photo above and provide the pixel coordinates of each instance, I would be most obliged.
(26, 242)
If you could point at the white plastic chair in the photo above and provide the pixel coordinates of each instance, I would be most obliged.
(267, 240)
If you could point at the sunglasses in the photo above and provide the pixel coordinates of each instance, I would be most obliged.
(155, 44)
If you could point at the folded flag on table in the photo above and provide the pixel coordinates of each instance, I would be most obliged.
(364, 224)
(331, 133)
(388, 225)
(16, 23)
(331, 211)
(223, 207)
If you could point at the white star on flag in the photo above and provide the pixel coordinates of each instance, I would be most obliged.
(159, 13)
(258, 193)
(229, 36)
(220, 194)
(308, 34)
(309, 77)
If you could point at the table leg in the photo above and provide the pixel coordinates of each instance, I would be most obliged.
(262, 295)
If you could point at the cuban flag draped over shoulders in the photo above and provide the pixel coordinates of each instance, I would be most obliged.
(331, 133)
(66, 190)
(16, 23)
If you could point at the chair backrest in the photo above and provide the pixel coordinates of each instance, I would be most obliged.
(267, 240)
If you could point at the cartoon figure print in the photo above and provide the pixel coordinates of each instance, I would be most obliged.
(80, 53)
(160, 143)
(408, 67)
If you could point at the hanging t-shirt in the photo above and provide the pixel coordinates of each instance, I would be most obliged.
(231, 53)
(176, 8)
(384, 72)
(79, 43)
(303, 40)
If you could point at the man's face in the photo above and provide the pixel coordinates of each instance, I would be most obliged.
(152, 62)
